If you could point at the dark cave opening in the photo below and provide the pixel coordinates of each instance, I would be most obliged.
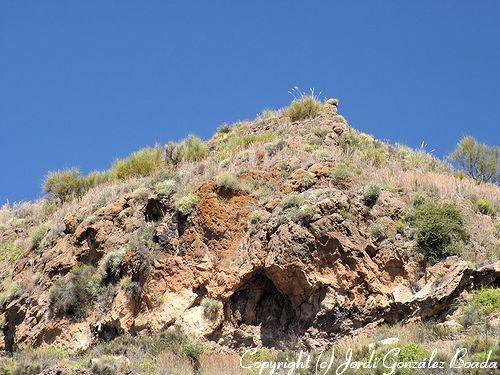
(259, 303)
(154, 210)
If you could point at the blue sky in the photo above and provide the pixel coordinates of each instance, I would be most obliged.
(85, 82)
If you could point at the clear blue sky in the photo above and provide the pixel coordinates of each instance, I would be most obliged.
(85, 82)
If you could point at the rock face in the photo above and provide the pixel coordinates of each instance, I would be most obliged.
(280, 278)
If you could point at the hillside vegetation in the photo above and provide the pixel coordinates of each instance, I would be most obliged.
(145, 267)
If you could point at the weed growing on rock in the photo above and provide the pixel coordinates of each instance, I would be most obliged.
(377, 230)
(166, 187)
(9, 291)
(132, 289)
(306, 212)
(111, 266)
(255, 217)
(292, 200)
(70, 295)
(210, 307)
(228, 182)
(341, 174)
(371, 193)
(187, 203)
(36, 236)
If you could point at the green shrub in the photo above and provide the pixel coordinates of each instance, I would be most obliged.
(274, 146)
(228, 181)
(486, 300)
(10, 251)
(492, 353)
(320, 131)
(224, 129)
(401, 225)
(65, 185)
(267, 115)
(34, 361)
(341, 174)
(306, 212)
(255, 217)
(193, 149)
(418, 199)
(225, 162)
(140, 194)
(36, 236)
(233, 142)
(187, 203)
(292, 200)
(165, 187)
(306, 181)
(69, 296)
(477, 344)
(173, 340)
(375, 155)
(304, 108)
(9, 291)
(371, 193)
(349, 141)
(438, 228)
(192, 350)
(141, 163)
(139, 258)
(412, 352)
(479, 161)
(105, 365)
(377, 230)
(111, 266)
(471, 316)
(321, 153)
(131, 288)
(97, 178)
(484, 207)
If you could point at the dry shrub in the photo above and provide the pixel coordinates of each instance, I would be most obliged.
(169, 363)
(220, 364)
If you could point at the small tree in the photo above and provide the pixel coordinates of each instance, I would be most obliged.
(479, 161)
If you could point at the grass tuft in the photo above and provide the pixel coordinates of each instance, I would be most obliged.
(141, 163)
(303, 108)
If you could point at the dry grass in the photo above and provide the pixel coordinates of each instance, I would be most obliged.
(169, 363)
(220, 364)
(425, 334)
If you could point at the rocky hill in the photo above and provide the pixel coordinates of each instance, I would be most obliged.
(290, 231)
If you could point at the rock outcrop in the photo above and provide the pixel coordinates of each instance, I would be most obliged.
(286, 276)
